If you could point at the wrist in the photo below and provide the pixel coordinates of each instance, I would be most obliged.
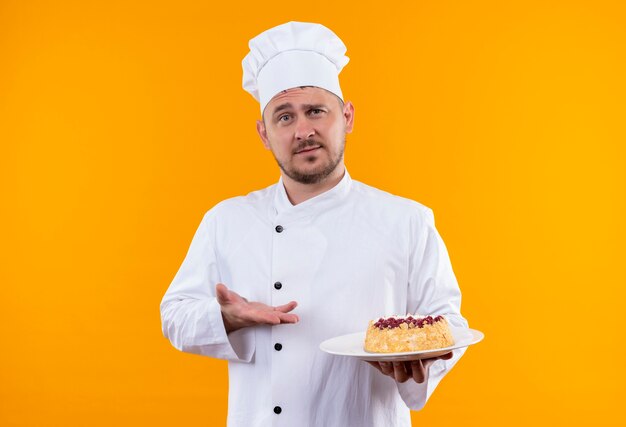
(228, 325)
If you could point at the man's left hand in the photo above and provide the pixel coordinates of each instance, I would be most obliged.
(402, 371)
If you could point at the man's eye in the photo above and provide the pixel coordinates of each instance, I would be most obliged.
(283, 118)
(316, 111)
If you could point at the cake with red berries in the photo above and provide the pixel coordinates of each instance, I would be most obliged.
(409, 333)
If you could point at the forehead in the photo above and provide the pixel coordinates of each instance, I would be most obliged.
(296, 96)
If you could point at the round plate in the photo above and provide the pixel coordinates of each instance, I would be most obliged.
(352, 345)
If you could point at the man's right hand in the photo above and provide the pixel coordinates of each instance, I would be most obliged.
(238, 313)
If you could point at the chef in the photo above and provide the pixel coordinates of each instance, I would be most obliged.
(272, 274)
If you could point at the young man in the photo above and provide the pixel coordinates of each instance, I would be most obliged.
(271, 275)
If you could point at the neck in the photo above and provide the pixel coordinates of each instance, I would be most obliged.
(298, 192)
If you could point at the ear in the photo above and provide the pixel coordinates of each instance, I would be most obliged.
(260, 128)
(348, 115)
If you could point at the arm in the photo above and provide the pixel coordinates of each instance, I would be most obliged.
(190, 313)
(203, 318)
(432, 289)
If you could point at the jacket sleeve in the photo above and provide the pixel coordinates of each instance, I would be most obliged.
(432, 290)
(190, 314)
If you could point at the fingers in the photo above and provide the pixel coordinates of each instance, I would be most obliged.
(287, 307)
(282, 311)
(375, 365)
(427, 362)
(402, 371)
(256, 317)
(221, 291)
(418, 371)
(420, 367)
(277, 317)
(257, 313)
(288, 318)
(395, 370)
(446, 356)
(386, 368)
(399, 372)
(242, 313)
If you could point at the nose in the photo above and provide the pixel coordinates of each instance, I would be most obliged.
(304, 130)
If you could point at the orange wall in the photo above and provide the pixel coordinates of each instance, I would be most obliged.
(122, 122)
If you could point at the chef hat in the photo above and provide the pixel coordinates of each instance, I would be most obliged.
(291, 55)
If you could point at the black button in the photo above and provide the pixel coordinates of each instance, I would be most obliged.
(279, 228)
(278, 346)
(277, 409)
(278, 285)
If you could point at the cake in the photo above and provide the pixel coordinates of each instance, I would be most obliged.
(407, 333)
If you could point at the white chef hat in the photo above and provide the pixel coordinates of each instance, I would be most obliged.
(291, 55)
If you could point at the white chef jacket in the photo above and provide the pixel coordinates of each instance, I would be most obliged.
(351, 254)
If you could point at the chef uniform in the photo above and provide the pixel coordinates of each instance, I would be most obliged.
(348, 255)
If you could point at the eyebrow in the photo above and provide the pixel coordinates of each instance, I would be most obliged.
(287, 105)
(282, 107)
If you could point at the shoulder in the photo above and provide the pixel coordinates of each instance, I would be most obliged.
(391, 204)
(254, 203)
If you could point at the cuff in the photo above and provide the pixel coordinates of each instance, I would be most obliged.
(237, 346)
(416, 395)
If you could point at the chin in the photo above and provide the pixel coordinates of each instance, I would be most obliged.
(316, 170)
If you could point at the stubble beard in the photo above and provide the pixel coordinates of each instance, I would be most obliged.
(315, 176)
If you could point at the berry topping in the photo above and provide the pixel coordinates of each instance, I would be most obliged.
(395, 322)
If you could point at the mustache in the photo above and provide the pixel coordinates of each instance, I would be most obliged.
(306, 144)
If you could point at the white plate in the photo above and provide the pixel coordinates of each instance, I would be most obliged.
(352, 345)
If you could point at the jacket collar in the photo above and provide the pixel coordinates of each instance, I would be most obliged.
(315, 205)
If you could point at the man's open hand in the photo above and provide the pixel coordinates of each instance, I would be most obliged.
(238, 312)
(402, 371)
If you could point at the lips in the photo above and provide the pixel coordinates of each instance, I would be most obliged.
(308, 149)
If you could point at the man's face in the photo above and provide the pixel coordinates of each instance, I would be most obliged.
(305, 129)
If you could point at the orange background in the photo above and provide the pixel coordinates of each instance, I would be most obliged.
(122, 122)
